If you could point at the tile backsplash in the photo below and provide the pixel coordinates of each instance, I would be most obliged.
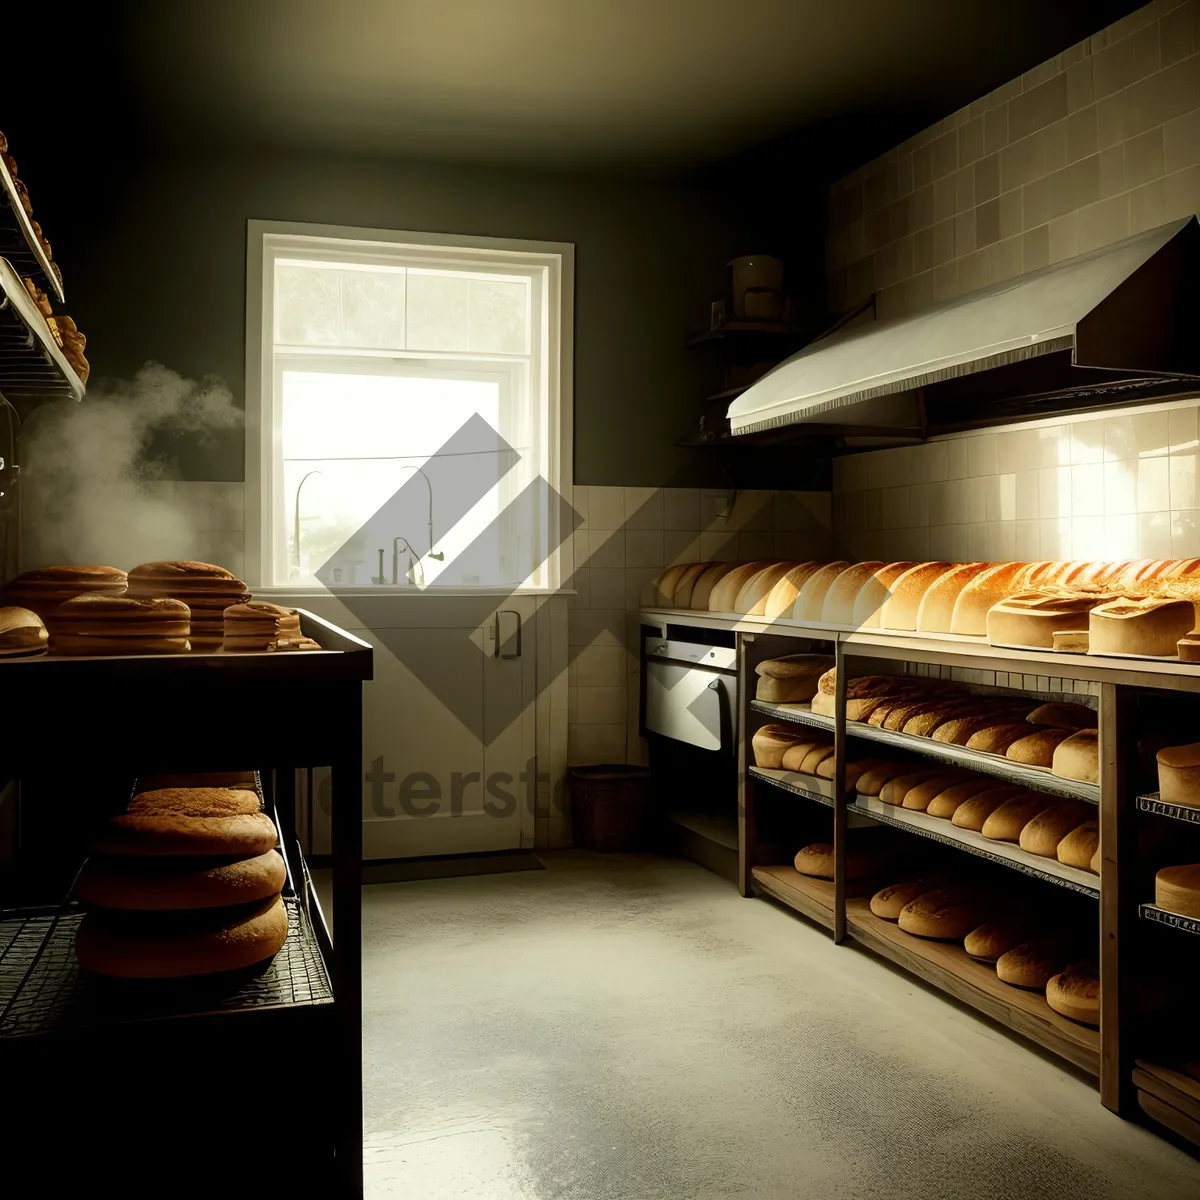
(1100, 142)
(1103, 487)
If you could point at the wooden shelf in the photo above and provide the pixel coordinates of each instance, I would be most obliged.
(799, 714)
(1006, 854)
(1169, 1097)
(947, 966)
(1179, 812)
(811, 787)
(812, 898)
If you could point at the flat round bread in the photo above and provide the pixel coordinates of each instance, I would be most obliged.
(153, 884)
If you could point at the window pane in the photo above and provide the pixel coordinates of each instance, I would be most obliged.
(373, 309)
(499, 316)
(307, 306)
(438, 311)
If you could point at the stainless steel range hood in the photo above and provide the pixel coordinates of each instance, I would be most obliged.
(1105, 319)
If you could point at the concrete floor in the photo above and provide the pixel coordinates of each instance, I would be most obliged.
(621, 1028)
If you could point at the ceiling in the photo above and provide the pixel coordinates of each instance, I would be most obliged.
(657, 86)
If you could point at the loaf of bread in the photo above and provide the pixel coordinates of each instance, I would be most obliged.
(665, 584)
(947, 914)
(1030, 619)
(242, 835)
(705, 582)
(795, 754)
(1005, 823)
(907, 591)
(1036, 749)
(1179, 775)
(208, 590)
(1188, 647)
(151, 884)
(727, 589)
(790, 680)
(973, 812)
(888, 902)
(43, 590)
(946, 803)
(994, 938)
(814, 758)
(810, 603)
(1080, 846)
(1070, 641)
(838, 608)
(1043, 833)
(936, 609)
(872, 782)
(1075, 993)
(996, 739)
(682, 596)
(873, 595)
(1063, 714)
(1177, 889)
(21, 632)
(863, 693)
(98, 623)
(1147, 626)
(1032, 964)
(195, 802)
(784, 594)
(974, 601)
(934, 713)
(752, 598)
(1078, 757)
(769, 743)
(918, 798)
(208, 942)
(894, 791)
(958, 731)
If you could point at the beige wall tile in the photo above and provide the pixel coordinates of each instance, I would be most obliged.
(945, 281)
(974, 271)
(995, 129)
(922, 159)
(1125, 61)
(1064, 237)
(1154, 535)
(943, 198)
(964, 233)
(921, 207)
(1103, 223)
(1006, 259)
(1182, 434)
(1161, 97)
(943, 152)
(1182, 142)
(1038, 107)
(1144, 157)
(1079, 85)
(987, 223)
(971, 141)
(987, 178)
(1035, 251)
(1062, 191)
(1112, 171)
(1081, 134)
(1012, 211)
(923, 251)
(1110, 120)
(1185, 533)
(1148, 207)
(1181, 193)
(1177, 32)
(904, 174)
(964, 189)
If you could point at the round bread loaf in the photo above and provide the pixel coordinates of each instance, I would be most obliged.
(810, 603)
(257, 625)
(888, 901)
(1033, 963)
(21, 632)
(1064, 715)
(784, 594)
(195, 802)
(1150, 626)
(990, 587)
(709, 578)
(223, 942)
(101, 623)
(1179, 775)
(973, 812)
(769, 743)
(814, 758)
(725, 592)
(936, 609)
(1006, 822)
(207, 589)
(682, 596)
(946, 803)
(838, 608)
(752, 599)
(1080, 846)
(894, 791)
(934, 713)
(791, 680)
(1177, 889)
(1043, 832)
(815, 860)
(871, 782)
(1037, 749)
(874, 594)
(907, 591)
(856, 770)
(665, 584)
(947, 914)
(1075, 993)
(918, 798)
(958, 731)
(43, 590)
(1078, 756)
(994, 938)
(861, 861)
(150, 884)
(996, 739)
(243, 835)
(794, 756)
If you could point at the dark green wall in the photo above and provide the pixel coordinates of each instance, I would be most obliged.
(154, 268)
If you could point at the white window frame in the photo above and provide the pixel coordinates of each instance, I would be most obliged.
(267, 240)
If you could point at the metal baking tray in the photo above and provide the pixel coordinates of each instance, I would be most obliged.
(1151, 912)
(32, 367)
(18, 242)
(1151, 803)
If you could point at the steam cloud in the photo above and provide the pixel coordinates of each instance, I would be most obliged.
(88, 469)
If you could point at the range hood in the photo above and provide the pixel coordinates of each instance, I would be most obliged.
(1118, 324)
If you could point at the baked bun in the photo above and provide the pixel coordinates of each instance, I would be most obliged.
(150, 884)
(996, 739)
(1036, 749)
(1148, 626)
(1062, 714)
(815, 860)
(206, 943)
(994, 938)
(43, 590)
(947, 914)
(769, 743)
(194, 802)
(97, 623)
(974, 811)
(1033, 963)
(790, 680)
(1179, 775)
(1177, 889)
(242, 835)
(946, 803)
(1006, 822)
(1075, 993)
(861, 861)
(21, 632)
(888, 901)
(207, 589)
(896, 788)
(918, 798)
(1043, 833)
(258, 625)
(784, 594)
(1078, 757)
(794, 756)
(958, 731)
(872, 782)
(838, 607)
(814, 758)
(708, 579)
(1080, 847)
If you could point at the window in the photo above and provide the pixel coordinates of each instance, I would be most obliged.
(408, 402)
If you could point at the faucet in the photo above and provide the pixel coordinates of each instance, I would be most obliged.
(296, 523)
(415, 574)
(441, 554)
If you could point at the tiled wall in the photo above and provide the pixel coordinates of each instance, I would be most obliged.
(1101, 142)
(628, 536)
(1105, 487)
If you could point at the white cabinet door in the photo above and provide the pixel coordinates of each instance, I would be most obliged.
(449, 737)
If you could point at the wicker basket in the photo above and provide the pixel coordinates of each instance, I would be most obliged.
(610, 807)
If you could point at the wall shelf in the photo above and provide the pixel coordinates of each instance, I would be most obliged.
(1180, 812)
(1006, 854)
(811, 787)
(800, 714)
(812, 898)
(1162, 916)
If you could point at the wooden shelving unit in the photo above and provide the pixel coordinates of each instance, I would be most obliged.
(812, 898)
(1169, 1097)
